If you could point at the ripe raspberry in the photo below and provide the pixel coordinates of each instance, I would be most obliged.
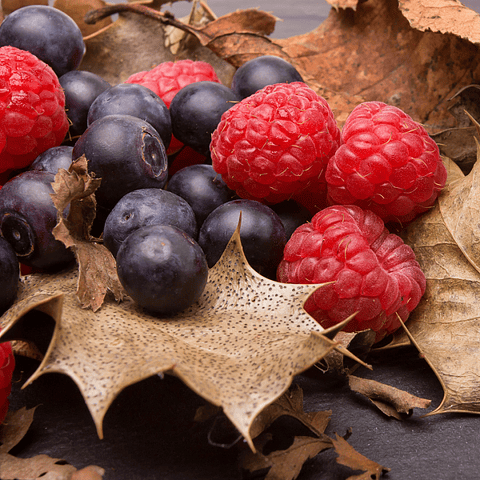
(373, 272)
(7, 364)
(168, 78)
(387, 163)
(274, 143)
(32, 108)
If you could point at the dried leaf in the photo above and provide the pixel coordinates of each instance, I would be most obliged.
(390, 400)
(8, 6)
(286, 464)
(13, 468)
(14, 428)
(92, 472)
(239, 347)
(97, 268)
(349, 457)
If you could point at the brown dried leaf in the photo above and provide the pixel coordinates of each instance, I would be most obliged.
(349, 457)
(13, 468)
(239, 347)
(291, 404)
(8, 6)
(444, 16)
(390, 400)
(97, 268)
(286, 464)
(92, 472)
(14, 428)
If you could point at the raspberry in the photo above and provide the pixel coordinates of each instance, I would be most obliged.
(274, 143)
(167, 78)
(7, 364)
(372, 272)
(387, 163)
(32, 108)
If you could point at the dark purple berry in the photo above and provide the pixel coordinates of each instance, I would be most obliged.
(9, 275)
(126, 153)
(292, 215)
(149, 206)
(162, 269)
(48, 33)
(262, 234)
(196, 111)
(262, 71)
(202, 187)
(136, 100)
(53, 159)
(27, 218)
(81, 89)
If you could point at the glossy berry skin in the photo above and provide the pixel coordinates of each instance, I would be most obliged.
(48, 33)
(262, 71)
(32, 109)
(387, 163)
(148, 206)
(53, 159)
(292, 215)
(81, 89)
(370, 270)
(275, 143)
(202, 188)
(162, 269)
(262, 234)
(135, 100)
(196, 111)
(167, 78)
(7, 365)
(126, 153)
(27, 218)
(9, 275)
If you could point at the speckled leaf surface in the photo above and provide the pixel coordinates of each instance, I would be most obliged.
(239, 347)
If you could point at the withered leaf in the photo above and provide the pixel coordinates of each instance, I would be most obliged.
(390, 400)
(14, 428)
(97, 268)
(239, 347)
(349, 457)
(14, 468)
(286, 464)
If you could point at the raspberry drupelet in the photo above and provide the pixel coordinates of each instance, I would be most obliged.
(365, 268)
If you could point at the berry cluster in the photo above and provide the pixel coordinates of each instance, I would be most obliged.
(7, 365)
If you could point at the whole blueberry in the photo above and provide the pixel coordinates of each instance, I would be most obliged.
(262, 71)
(48, 33)
(261, 232)
(9, 275)
(126, 153)
(196, 111)
(136, 100)
(81, 88)
(27, 218)
(292, 215)
(148, 206)
(53, 159)
(162, 269)
(202, 187)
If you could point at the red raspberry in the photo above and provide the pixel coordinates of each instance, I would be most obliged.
(373, 272)
(32, 108)
(168, 78)
(387, 163)
(7, 364)
(274, 143)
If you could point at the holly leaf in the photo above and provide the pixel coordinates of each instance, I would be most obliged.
(239, 347)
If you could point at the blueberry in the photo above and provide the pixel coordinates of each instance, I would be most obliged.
(81, 89)
(196, 111)
(48, 33)
(202, 187)
(9, 277)
(162, 269)
(53, 159)
(292, 215)
(262, 71)
(149, 206)
(126, 153)
(27, 218)
(262, 234)
(136, 100)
